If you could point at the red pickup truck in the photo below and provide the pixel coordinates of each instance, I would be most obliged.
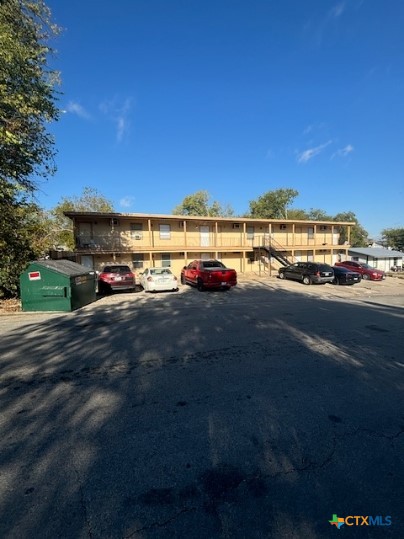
(208, 274)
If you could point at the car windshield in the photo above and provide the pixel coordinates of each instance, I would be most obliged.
(213, 264)
(160, 271)
(366, 266)
(117, 269)
(324, 267)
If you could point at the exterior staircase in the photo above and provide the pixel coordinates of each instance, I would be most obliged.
(273, 249)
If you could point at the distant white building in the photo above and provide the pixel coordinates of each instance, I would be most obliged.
(377, 257)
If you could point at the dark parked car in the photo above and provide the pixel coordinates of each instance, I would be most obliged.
(116, 277)
(308, 272)
(365, 270)
(345, 276)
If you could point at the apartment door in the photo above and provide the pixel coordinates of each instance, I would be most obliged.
(335, 237)
(204, 236)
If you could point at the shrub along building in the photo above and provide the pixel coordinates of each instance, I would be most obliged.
(247, 245)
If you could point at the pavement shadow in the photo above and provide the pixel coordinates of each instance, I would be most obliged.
(250, 413)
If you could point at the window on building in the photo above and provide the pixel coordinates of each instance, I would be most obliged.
(136, 231)
(310, 232)
(166, 260)
(137, 260)
(165, 232)
(250, 232)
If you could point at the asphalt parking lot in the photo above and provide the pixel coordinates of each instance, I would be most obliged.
(257, 412)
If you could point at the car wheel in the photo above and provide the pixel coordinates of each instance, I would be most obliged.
(199, 285)
(306, 279)
(104, 289)
(281, 275)
(183, 279)
(365, 277)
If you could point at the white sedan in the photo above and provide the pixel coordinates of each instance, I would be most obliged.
(158, 279)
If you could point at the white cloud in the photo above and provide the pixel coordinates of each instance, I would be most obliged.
(337, 10)
(121, 127)
(343, 152)
(118, 112)
(316, 127)
(75, 108)
(127, 202)
(304, 157)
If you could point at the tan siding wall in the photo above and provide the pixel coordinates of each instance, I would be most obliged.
(233, 245)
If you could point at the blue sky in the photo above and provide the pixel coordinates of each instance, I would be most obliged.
(163, 98)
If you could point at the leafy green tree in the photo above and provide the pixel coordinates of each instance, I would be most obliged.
(394, 237)
(23, 236)
(199, 204)
(27, 92)
(317, 214)
(295, 213)
(358, 237)
(314, 214)
(62, 227)
(273, 204)
(27, 106)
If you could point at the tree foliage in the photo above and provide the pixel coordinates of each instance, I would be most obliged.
(394, 238)
(272, 204)
(27, 105)
(27, 92)
(358, 236)
(90, 200)
(199, 203)
(23, 236)
(317, 214)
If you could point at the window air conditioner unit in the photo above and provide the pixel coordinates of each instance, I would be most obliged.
(236, 225)
(282, 227)
(138, 236)
(114, 222)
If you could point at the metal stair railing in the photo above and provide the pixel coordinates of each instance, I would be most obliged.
(275, 249)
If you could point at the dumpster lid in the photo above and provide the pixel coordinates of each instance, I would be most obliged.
(66, 267)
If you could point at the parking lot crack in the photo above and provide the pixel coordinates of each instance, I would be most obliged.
(83, 505)
(163, 523)
(375, 434)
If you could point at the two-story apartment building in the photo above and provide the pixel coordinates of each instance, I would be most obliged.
(247, 245)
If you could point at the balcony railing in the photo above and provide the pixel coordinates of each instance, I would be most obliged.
(146, 241)
(99, 243)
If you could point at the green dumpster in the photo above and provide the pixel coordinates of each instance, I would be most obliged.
(56, 285)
